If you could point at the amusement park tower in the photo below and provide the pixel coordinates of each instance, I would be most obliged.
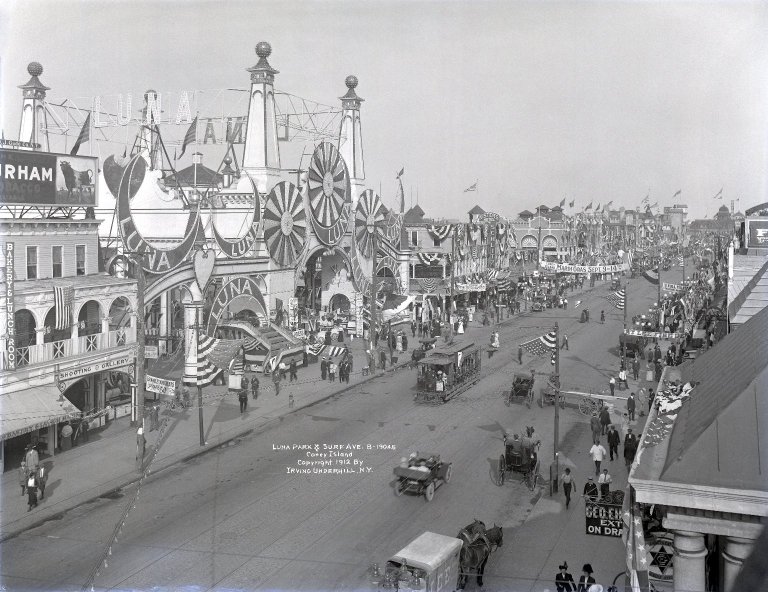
(351, 138)
(34, 124)
(262, 152)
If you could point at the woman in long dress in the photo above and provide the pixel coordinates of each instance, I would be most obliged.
(460, 330)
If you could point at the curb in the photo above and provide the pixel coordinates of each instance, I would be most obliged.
(181, 457)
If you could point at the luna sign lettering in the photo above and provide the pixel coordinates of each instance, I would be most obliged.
(240, 247)
(240, 286)
(153, 260)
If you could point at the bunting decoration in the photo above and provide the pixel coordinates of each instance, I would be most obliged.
(618, 299)
(64, 299)
(429, 258)
(212, 356)
(440, 232)
(429, 285)
(634, 540)
(540, 345)
(651, 276)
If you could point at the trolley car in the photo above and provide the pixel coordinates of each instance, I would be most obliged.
(447, 371)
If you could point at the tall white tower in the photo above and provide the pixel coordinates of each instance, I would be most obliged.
(148, 141)
(34, 123)
(351, 138)
(262, 151)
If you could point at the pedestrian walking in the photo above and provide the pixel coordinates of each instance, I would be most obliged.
(594, 424)
(604, 482)
(602, 316)
(623, 378)
(332, 371)
(635, 368)
(276, 380)
(563, 580)
(565, 342)
(413, 328)
(242, 396)
(293, 370)
(613, 442)
(605, 420)
(31, 491)
(597, 452)
(590, 490)
(383, 359)
(42, 479)
(283, 370)
(323, 368)
(658, 369)
(23, 476)
(32, 457)
(254, 387)
(141, 443)
(630, 447)
(631, 406)
(568, 485)
(612, 385)
(586, 579)
(520, 354)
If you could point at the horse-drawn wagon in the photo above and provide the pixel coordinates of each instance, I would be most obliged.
(447, 371)
(422, 474)
(522, 389)
(429, 562)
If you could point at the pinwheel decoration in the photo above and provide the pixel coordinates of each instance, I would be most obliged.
(329, 191)
(285, 223)
(369, 213)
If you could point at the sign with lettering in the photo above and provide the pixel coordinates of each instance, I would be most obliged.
(160, 386)
(471, 287)
(293, 312)
(151, 352)
(239, 287)
(65, 378)
(10, 321)
(566, 268)
(758, 233)
(654, 334)
(671, 287)
(153, 260)
(241, 247)
(47, 179)
(603, 519)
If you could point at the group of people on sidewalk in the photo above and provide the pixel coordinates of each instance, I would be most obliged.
(564, 581)
(32, 477)
(329, 369)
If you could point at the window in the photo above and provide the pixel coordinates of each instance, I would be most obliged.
(31, 263)
(436, 242)
(414, 238)
(56, 261)
(80, 259)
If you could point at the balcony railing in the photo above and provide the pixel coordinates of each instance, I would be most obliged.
(58, 350)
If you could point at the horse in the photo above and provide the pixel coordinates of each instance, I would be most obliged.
(471, 532)
(475, 555)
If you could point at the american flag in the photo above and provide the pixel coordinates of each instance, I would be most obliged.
(617, 299)
(63, 298)
(212, 356)
(540, 345)
(634, 540)
(578, 304)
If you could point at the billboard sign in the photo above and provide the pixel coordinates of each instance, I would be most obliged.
(603, 519)
(758, 233)
(10, 322)
(47, 179)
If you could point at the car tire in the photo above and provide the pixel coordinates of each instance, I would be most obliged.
(429, 493)
(399, 489)
(448, 474)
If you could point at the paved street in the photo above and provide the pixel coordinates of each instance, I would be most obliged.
(235, 519)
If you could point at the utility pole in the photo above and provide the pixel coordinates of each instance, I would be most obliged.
(140, 337)
(453, 275)
(372, 324)
(626, 304)
(556, 387)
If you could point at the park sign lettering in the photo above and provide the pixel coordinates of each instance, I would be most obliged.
(566, 268)
(603, 519)
(47, 179)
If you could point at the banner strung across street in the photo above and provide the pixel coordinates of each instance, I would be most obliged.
(46, 179)
(477, 287)
(655, 334)
(671, 287)
(567, 268)
(161, 386)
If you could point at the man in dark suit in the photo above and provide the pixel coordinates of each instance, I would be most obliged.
(564, 581)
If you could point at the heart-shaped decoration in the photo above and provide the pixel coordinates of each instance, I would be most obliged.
(204, 263)
(113, 174)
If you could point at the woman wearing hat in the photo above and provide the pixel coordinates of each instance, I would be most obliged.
(586, 578)
(563, 580)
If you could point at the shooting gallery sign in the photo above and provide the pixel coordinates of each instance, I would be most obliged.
(603, 519)
(46, 179)
(66, 377)
(565, 268)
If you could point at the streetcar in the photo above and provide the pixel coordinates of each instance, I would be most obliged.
(447, 371)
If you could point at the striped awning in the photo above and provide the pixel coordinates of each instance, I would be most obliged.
(33, 408)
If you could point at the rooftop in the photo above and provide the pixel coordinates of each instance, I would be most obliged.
(748, 289)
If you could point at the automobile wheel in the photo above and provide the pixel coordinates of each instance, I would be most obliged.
(430, 492)
(399, 488)
(448, 474)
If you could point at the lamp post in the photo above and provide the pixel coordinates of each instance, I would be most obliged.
(139, 374)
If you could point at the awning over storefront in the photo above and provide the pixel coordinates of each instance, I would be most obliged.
(33, 408)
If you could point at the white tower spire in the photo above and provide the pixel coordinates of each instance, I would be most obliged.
(351, 138)
(34, 122)
(262, 151)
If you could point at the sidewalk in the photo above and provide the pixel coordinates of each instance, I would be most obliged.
(108, 461)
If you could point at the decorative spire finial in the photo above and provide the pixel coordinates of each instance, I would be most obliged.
(263, 72)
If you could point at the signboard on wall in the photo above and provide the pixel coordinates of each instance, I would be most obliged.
(293, 312)
(10, 321)
(47, 179)
(603, 519)
(758, 233)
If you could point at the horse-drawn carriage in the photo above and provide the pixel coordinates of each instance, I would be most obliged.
(522, 389)
(538, 304)
(633, 346)
(520, 456)
(429, 562)
(548, 394)
(447, 371)
(422, 474)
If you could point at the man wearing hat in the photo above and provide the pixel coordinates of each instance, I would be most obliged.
(630, 447)
(590, 490)
(586, 578)
(613, 441)
(563, 580)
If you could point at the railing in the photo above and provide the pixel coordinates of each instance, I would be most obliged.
(58, 350)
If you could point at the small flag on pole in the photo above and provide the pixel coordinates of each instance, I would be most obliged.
(63, 300)
(85, 135)
(678, 192)
(570, 205)
(589, 207)
(190, 137)
(472, 187)
(719, 194)
(617, 299)
(401, 173)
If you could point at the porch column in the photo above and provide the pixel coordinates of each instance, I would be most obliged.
(735, 553)
(690, 556)
(193, 306)
(105, 324)
(39, 335)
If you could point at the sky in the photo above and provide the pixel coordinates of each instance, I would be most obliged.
(533, 101)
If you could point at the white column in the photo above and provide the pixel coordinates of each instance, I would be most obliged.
(193, 306)
(735, 553)
(39, 335)
(690, 556)
(105, 324)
